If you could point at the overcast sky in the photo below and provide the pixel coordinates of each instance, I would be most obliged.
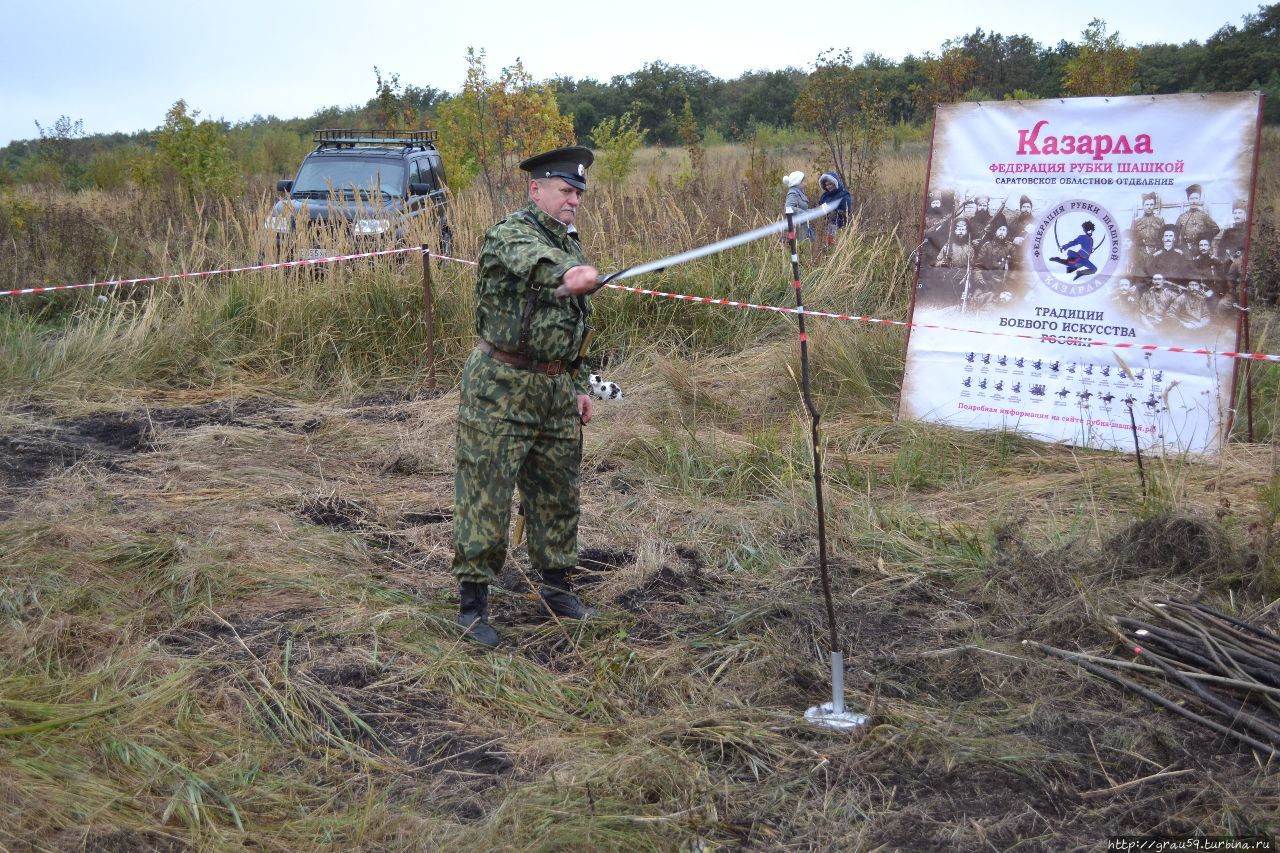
(119, 66)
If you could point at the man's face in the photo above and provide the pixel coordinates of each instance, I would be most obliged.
(1002, 232)
(1026, 207)
(1148, 207)
(1158, 279)
(1203, 245)
(962, 228)
(1194, 200)
(1238, 215)
(556, 198)
(983, 204)
(1167, 240)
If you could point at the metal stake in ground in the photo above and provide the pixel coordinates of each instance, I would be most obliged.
(830, 714)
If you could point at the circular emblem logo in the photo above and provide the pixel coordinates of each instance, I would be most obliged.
(1076, 247)
(582, 170)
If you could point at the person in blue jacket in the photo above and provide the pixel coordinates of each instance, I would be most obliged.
(1078, 261)
(835, 194)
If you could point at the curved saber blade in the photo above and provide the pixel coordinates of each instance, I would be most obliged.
(712, 248)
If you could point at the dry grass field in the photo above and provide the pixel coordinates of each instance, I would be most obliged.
(226, 613)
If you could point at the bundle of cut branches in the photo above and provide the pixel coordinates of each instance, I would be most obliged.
(1214, 669)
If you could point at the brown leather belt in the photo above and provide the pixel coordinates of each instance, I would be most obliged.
(551, 368)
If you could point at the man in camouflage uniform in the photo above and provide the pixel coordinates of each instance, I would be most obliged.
(524, 400)
(1195, 223)
(1147, 228)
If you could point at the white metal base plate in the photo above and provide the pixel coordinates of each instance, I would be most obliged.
(825, 715)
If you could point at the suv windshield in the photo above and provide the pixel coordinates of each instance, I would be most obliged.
(346, 175)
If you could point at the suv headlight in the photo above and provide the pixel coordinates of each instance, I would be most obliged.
(278, 224)
(372, 226)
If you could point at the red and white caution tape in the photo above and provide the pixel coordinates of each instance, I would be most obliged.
(455, 260)
(1250, 356)
(1254, 356)
(207, 273)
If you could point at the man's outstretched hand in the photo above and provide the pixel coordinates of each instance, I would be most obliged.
(577, 281)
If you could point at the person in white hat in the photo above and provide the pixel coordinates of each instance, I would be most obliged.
(797, 201)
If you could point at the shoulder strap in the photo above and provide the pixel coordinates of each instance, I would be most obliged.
(531, 301)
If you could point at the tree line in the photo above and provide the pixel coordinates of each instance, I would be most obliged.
(493, 119)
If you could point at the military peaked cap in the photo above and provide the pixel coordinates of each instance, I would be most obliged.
(1151, 197)
(569, 163)
(1194, 188)
(1240, 204)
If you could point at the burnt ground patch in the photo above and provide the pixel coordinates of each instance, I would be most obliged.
(399, 563)
(396, 396)
(389, 406)
(337, 512)
(50, 444)
(128, 432)
(26, 457)
(329, 678)
(32, 452)
(435, 516)
(217, 413)
(382, 414)
(595, 563)
(929, 801)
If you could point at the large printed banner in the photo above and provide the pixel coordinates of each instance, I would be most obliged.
(1087, 219)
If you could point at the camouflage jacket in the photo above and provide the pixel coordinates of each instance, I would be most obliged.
(517, 255)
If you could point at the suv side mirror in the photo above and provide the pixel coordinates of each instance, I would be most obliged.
(284, 186)
(420, 189)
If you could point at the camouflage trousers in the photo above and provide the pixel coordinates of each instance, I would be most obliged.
(516, 428)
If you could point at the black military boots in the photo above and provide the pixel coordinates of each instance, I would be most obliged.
(473, 614)
(558, 600)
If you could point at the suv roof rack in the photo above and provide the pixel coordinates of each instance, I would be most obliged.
(334, 138)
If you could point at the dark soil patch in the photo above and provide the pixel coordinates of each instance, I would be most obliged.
(29, 456)
(396, 396)
(338, 672)
(120, 431)
(406, 465)
(414, 519)
(929, 803)
(218, 413)
(595, 563)
(335, 511)
(347, 694)
(419, 730)
(665, 586)
(382, 414)
(257, 633)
